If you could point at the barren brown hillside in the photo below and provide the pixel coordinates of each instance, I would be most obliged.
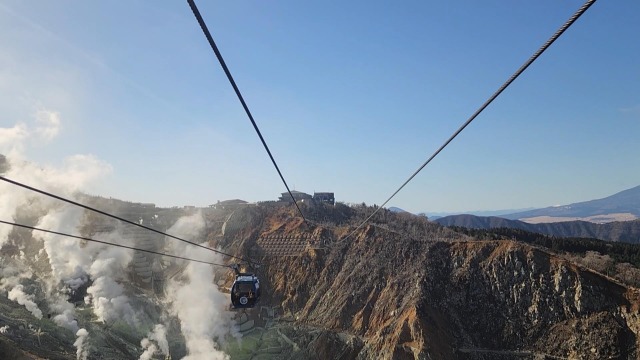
(405, 288)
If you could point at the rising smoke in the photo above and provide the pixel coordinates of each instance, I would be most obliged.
(155, 342)
(202, 309)
(62, 265)
(81, 344)
(18, 295)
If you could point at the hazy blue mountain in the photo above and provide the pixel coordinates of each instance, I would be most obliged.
(482, 222)
(625, 231)
(627, 201)
(437, 215)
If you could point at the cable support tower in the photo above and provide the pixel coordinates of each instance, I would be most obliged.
(118, 218)
(513, 77)
(111, 244)
(213, 45)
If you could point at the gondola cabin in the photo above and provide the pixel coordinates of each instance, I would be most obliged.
(245, 291)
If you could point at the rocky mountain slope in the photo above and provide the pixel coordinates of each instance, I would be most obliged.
(625, 231)
(406, 288)
(401, 287)
(411, 298)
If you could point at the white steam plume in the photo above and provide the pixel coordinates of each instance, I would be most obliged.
(82, 350)
(66, 317)
(159, 336)
(48, 125)
(11, 139)
(72, 263)
(73, 176)
(200, 307)
(11, 274)
(109, 302)
(68, 260)
(18, 295)
(150, 349)
(197, 302)
(10, 278)
(106, 294)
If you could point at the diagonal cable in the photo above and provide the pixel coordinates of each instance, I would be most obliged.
(515, 75)
(206, 32)
(111, 244)
(116, 217)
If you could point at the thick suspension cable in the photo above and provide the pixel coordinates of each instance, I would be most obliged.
(110, 244)
(213, 45)
(117, 217)
(515, 75)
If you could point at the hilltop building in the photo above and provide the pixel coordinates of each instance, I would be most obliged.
(326, 197)
(229, 204)
(298, 195)
(318, 197)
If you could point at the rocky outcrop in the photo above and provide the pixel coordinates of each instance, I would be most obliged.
(423, 298)
(508, 296)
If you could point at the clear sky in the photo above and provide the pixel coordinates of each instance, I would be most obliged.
(351, 96)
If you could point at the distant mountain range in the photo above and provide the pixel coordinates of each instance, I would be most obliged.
(566, 220)
(625, 202)
(438, 215)
(625, 231)
(622, 206)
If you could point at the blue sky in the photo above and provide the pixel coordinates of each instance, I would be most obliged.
(350, 96)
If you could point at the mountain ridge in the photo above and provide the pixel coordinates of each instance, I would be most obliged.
(626, 201)
(624, 231)
(427, 295)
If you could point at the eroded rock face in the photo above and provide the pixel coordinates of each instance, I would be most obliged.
(504, 295)
(424, 298)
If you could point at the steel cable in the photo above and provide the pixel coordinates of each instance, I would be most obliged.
(213, 45)
(111, 244)
(515, 75)
(117, 217)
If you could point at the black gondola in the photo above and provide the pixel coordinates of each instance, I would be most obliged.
(245, 291)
